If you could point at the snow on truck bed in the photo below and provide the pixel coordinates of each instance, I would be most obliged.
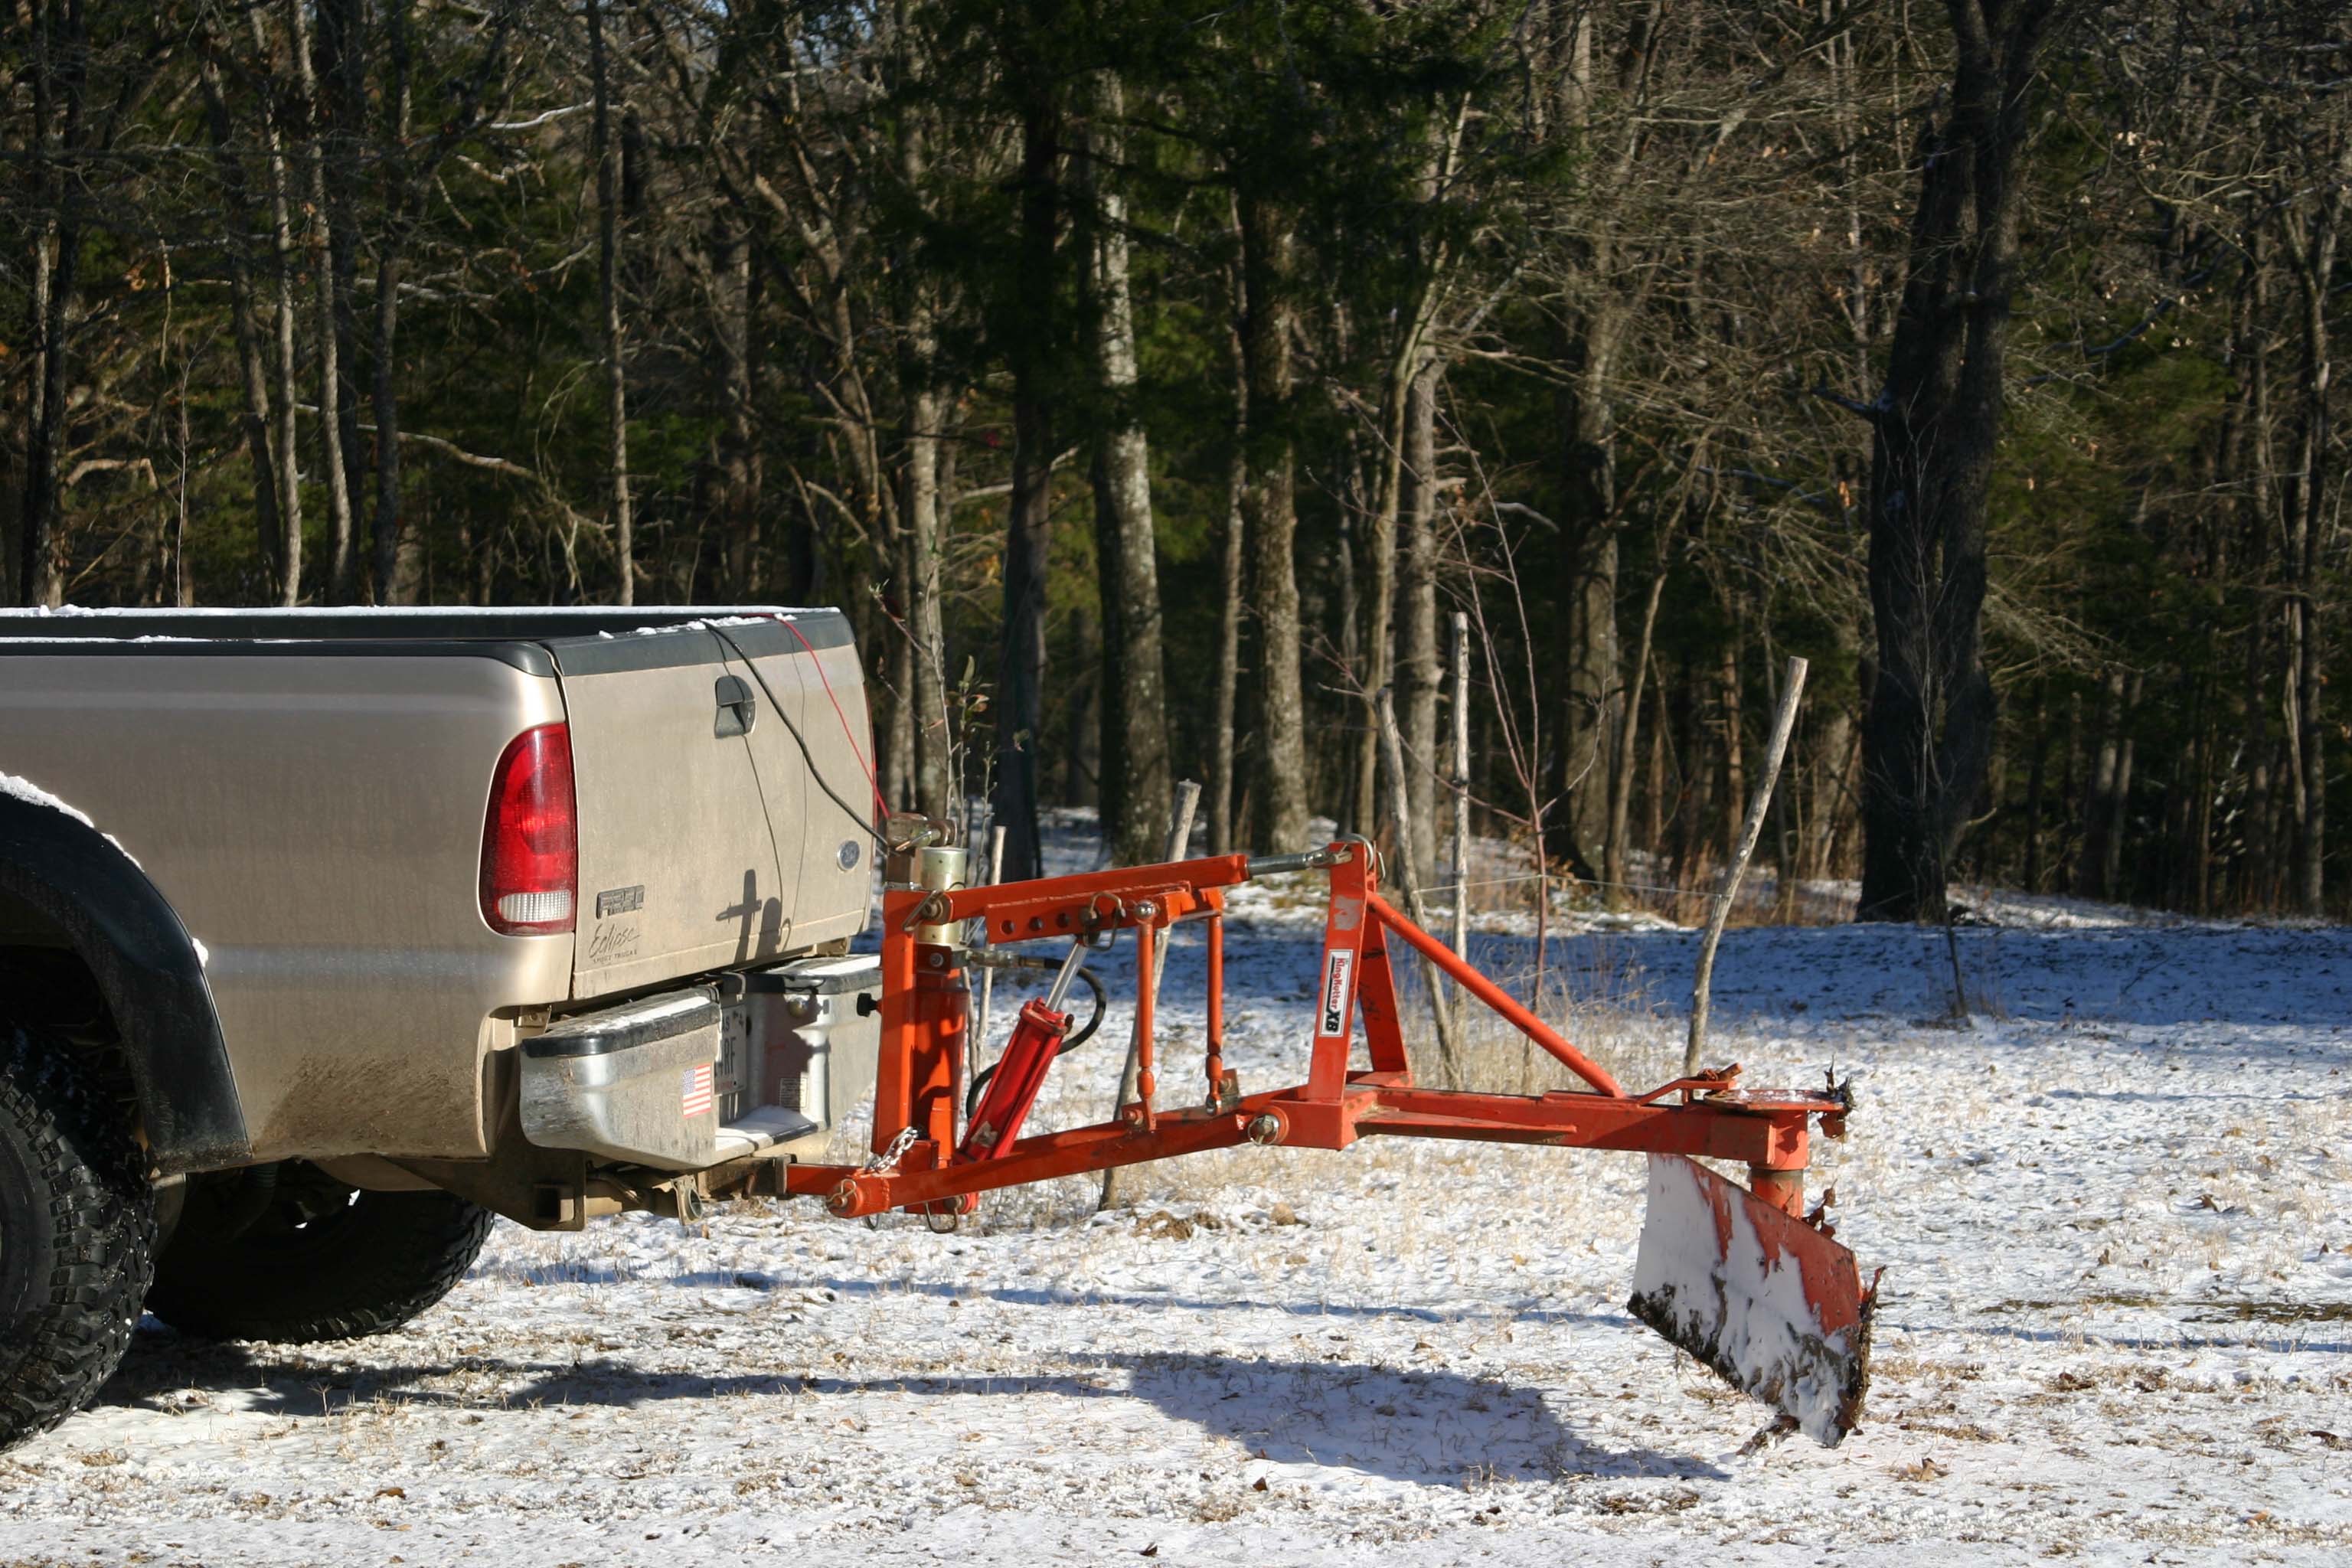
(2116, 1215)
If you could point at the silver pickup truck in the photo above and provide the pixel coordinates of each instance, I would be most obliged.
(325, 935)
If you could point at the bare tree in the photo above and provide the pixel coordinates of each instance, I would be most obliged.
(1271, 524)
(608, 289)
(1928, 736)
(1136, 779)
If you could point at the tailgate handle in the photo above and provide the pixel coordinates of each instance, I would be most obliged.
(738, 709)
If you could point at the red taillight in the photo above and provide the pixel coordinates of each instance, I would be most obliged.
(530, 839)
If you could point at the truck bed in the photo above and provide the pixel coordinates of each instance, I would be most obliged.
(308, 788)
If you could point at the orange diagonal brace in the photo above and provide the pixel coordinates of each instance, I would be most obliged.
(1486, 991)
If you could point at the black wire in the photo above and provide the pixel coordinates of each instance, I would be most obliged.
(870, 830)
(979, 1078)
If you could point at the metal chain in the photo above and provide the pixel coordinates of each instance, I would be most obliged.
(888, 1160)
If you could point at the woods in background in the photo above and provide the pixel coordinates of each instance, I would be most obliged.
(1152, 383)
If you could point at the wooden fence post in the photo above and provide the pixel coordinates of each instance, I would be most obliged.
(1784, 720)
(1409, 881)
(1461, 785)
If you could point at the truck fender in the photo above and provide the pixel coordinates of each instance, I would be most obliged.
(149, 970)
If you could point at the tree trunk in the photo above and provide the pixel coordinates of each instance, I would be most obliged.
(918, 570)
(1279, 773)
(60, 42)
(1138, 784)
(1615, 865)
(252, 370)
(2098, 800)
(1654, 801)
(1734, 734)
(735, 457)
(1395, 471)
(342, 60)
(608, 291)
(384, 399)
(1365, 617)
(2036, 778)
(1078, 778)
(2312, 242)
(286, 447)
(385, 535)
(898, 726)
(42, 566)
(914, 540)
(1832, 802)
(1232, 550)
(342, 563)
(1028, 534)
(1927, 735)
(2118, 805)
(1594, 703)
(1354, 794)
(1419, 665)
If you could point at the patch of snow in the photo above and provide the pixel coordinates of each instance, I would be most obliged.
(84, 642)
(2116, 1215)
(651, 1011)
(699, 623)
(26, 790)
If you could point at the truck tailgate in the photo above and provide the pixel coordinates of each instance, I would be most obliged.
(695, 807)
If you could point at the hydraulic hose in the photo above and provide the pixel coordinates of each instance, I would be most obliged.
(1078, 1037)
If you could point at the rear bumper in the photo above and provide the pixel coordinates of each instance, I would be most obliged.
(683, 1080)
(635, 1083)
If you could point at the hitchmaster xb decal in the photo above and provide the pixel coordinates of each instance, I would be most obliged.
(1338, 974)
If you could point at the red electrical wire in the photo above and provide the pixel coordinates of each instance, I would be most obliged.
(867, 768)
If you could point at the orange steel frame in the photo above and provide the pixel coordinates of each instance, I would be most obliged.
(918, 1086)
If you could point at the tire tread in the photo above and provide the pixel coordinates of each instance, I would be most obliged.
(414, 1249)
(77, 1146)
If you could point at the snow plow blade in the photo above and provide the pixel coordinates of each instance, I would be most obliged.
(1769, 1301)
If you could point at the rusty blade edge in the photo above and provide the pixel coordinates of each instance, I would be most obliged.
(1657, 1311)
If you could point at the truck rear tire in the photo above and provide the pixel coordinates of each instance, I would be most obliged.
(289, 1255)
(77, 1233)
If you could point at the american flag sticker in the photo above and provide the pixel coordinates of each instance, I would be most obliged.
(694, 1091)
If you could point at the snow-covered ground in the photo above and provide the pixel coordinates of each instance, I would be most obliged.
(2115, 1213)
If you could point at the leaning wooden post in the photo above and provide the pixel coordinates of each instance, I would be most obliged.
(1461, 785)
(1408, 880)
(975, 1039)
(1784, 720)
(1180, 835)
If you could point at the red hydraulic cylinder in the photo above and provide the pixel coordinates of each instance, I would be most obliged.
(1013, 1082)
(1012, 1087)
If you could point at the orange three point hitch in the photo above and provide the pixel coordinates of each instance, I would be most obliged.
(924, 1160)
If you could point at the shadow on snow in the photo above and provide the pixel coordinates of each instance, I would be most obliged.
(1430, 1427)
